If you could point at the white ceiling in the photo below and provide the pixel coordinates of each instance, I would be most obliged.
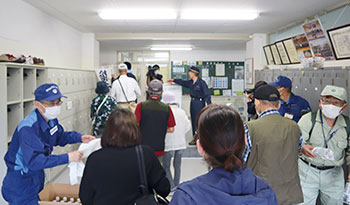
(82, 15)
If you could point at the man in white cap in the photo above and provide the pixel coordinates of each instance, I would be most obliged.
(125, 89)
(175, 143)
(327, 129)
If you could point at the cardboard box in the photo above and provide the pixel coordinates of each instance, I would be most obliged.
(51, 191)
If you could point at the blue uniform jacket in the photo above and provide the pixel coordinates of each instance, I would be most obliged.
(197, 90)
(294, 106)
(222, 187)
(32, 144)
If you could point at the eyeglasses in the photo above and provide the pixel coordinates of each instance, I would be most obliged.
(52, 103)
(336, 103)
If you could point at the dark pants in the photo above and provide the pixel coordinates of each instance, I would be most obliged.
(196, 107)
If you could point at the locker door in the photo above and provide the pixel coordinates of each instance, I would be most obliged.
(327, 78)
(276, 73)
(297, 87)
(341, 79)
(306, 87)
(316, 89)
(257, 75)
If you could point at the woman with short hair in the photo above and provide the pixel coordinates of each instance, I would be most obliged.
(220, 134)
(111, 174)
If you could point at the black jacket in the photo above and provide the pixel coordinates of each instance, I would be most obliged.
(111, 176)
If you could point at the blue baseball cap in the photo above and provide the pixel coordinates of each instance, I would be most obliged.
(47, 92)
(282, 81)
(194, 69)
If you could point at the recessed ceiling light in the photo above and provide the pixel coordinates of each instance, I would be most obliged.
(138, 14)
(224, 14)
(171, 48)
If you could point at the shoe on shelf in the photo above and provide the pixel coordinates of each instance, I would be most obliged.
(193, 143)
(29, 60)
(10, 59)
(41, 61)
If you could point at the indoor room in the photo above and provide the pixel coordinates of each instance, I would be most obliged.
(174, 102)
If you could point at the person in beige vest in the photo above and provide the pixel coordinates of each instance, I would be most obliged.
(326, 129)
(273, 145)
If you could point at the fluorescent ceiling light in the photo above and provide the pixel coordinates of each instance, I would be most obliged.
(171, 48)
(138, 14)
(210, 14)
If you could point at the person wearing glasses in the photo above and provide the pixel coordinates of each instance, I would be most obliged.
(292, 106)
(328, 129)
(30, 150)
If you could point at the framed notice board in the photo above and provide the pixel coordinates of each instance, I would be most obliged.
(219, 75)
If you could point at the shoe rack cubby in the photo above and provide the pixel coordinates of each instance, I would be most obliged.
(17, 85)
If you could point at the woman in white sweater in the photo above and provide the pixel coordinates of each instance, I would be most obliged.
(175, 143)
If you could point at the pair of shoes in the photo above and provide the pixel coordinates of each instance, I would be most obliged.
(38, 61)
(11, 59)
(193, 142)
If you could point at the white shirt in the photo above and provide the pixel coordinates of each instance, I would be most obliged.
(130, 86)
(177, 140)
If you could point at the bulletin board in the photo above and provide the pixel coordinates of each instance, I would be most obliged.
(219, 75)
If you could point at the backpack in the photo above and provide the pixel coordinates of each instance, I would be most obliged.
(313, 120)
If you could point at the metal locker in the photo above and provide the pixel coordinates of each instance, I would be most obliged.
(297, 87)
(327, 78)
(275, 74)
(340, 78)
(316, 89)
(305, 86)
(257, 75)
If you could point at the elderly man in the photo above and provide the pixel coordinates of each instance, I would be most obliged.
(31, 146)
(325, 129)
(155, 119)
(272, 147)
(125, 89)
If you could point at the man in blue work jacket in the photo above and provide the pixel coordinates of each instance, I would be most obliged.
(199, 95)
(292, 105)
(31, 146)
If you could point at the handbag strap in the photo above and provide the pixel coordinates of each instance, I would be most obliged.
(123, 90)
(99, 107)
(142, 171)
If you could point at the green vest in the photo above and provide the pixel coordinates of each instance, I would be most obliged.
(274, 155)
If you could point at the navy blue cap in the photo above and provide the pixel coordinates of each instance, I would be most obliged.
(47, 92)
(194, 69)
(282, 81)
(102, 87)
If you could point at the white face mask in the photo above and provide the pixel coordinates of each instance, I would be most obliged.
(51, 112)
(156, 72)
(331, 111)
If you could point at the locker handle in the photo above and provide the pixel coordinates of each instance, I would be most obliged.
(25, 74)
(37, 75)
(8, 109)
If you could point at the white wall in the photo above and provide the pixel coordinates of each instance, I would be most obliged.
(29, 31)
(208, 55)
(107, 57)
